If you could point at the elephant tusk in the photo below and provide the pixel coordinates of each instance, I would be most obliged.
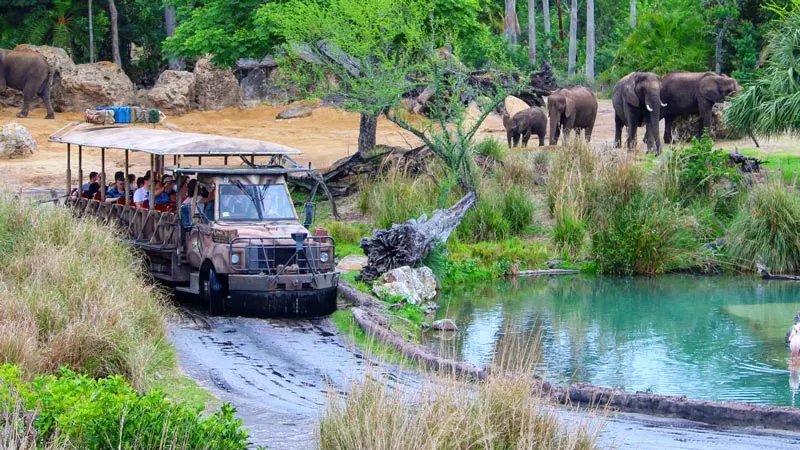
(663, 105)
(649, 108)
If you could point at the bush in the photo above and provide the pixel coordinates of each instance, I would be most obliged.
(690, 173)
(569, 233)
(768, 227)
(347, 236)
(72, 295)
(398, 198)
(492, 147)
(109, 413)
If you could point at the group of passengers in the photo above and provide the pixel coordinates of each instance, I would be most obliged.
(138, 189)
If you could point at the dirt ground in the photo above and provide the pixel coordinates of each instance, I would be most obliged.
(324, 137)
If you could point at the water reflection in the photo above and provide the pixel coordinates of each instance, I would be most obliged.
(720, 338)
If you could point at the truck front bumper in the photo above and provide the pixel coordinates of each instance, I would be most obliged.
(301, 295)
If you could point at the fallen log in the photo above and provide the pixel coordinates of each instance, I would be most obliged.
(406, 244)
(534, 273)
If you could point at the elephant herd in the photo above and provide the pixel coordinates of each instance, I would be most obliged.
(639, 98)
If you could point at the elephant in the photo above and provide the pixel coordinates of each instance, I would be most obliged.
(28, 72)
(524, 124)
(637, 101)
(693, 93)
(573, 108)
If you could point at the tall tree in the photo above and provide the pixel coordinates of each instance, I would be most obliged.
(633, 13)
(91, 34)
(546, 17)
(112, 9)
(590, 40)
(532, 31)
(560, 21)
(511, 22)
(170, 23)
(573, 37)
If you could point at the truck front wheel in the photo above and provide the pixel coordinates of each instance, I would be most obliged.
(215, 292)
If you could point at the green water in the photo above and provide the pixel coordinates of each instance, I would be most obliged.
(714, 338)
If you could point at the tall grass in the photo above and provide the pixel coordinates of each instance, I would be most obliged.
(71, 294)
(506, 410)
(768, 227)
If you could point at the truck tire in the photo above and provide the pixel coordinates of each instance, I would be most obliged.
(214, 291)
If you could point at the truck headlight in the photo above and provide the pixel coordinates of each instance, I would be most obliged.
(235, 258)
(323, 257)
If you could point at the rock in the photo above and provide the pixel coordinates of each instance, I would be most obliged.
(684, 128)
(414, 285)
(444, 325)
(553, 263)
(16, 141)
(247, 64)
(352, 262)
(254, 88)
(514, 105)
(716, 244)
(88, 86)
(215, 88)
(295, 112)
(268, 62)
(430, 307)
(173, 92)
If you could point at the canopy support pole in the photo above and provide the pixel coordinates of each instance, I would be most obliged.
(225, 160)
(103, 174)
(152, 202)
(80, 169)
(127, 196)
(69, 171)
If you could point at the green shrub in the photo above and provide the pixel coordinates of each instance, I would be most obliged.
(108, 413)
(399, 198)
(646, 235)
(492, 147)
(517, 209)
(347, 236)
(486, 221)
(689, 173)
(569, 233)
(768, 227)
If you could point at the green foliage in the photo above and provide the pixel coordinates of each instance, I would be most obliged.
(768, 227)
(569, 234)
(350, 278)
(770, 105)
(667, 39)
(347, 236)
(689, 173)
(492, 147)
(109, 413)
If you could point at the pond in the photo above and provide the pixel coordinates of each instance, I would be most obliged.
(711, 338)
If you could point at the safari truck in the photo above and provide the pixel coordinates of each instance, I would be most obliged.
(230, 232)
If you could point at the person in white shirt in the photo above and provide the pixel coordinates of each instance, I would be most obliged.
(142, 194)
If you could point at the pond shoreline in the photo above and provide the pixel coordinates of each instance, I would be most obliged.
(369, 317)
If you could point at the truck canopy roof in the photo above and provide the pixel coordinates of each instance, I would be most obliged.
(166, 142)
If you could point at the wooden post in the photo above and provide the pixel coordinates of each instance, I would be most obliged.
(80, 169)
(69, 171)
(152, 201)
(103, 174)
(225, 160)
(127, 197)
(252, 159)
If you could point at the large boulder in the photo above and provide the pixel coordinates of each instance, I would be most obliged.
(174, 92)
(414, 285)
(352, 262)
(88, 86)
(254, 88)
(16, 141)
(215, 88)
(684, 128)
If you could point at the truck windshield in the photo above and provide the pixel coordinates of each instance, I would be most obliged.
(253, 203)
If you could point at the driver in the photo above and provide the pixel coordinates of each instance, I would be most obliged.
(237, 206)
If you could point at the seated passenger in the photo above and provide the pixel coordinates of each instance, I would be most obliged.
(132, 182)
(164, 190)
(141, 197)
(94, 177)
(92, 189)
(118, 191)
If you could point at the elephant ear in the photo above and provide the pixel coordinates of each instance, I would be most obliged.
(709, 88)
(569, 109)
(629, 92)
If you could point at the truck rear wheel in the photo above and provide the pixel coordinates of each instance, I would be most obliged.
(215, 291)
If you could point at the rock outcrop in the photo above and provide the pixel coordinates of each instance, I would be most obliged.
(295, 112)
(215, 88)
(413, 285)
(684, 128)
(88, 86)
(254, 88)
(16, 141)
(174, 92)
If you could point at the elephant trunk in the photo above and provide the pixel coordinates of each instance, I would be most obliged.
(555, 122)
(653, 102)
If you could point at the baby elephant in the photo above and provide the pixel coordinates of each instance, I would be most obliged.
(524, 124)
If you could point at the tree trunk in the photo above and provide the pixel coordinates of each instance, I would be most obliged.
(511, 24)
(532, 32)
(112, 9)
(573, 37)
(590, 40)
(170, 23)
(91, 34)
(560, 21)
(367, 132)
(720, 42)
(546, 17)
(633, 13)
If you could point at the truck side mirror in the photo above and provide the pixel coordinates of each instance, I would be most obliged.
(309, 210)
